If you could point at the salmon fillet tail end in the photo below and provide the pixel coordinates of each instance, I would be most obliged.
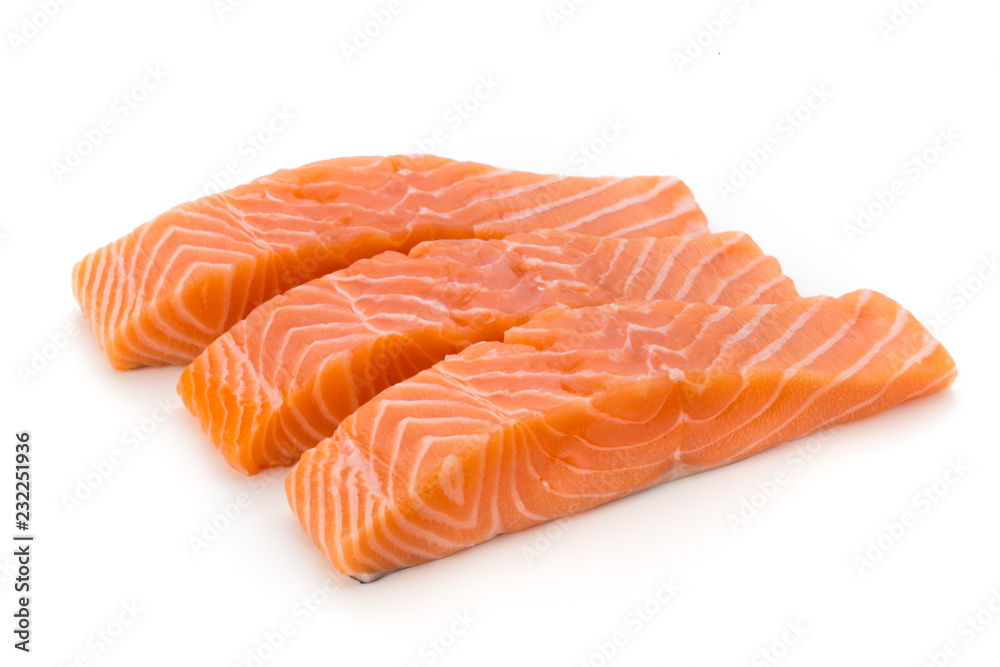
(580, 406)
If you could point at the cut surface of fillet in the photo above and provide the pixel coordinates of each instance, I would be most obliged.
(162, 293)
(579, 407)
(283, 379)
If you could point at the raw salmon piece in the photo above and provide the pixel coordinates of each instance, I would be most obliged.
(165, 291)
(282, 380)
(580, 407)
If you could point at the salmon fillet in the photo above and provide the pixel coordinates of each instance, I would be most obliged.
(579, 407)
(165, 291)
(281, 381)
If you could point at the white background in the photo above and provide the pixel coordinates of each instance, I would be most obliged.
(794, 561)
